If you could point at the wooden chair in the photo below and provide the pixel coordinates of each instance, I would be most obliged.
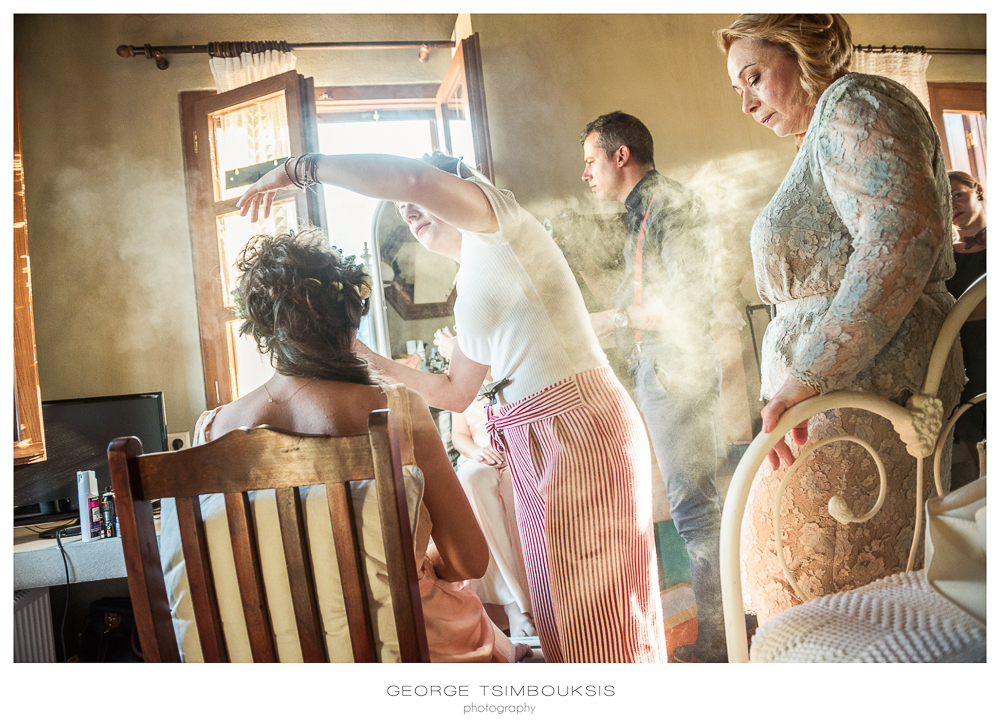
(254, 460)
(919, 425)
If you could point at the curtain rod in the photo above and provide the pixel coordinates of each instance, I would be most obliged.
(919, 49)
(232, 49)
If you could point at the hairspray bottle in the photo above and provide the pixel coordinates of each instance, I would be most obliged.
(109, 516)
(90, 504)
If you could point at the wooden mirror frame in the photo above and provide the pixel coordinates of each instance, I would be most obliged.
(388, 247)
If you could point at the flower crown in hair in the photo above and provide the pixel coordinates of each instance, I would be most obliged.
(363, 288)
(239, 308)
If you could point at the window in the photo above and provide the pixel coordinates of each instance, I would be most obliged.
(29, 440)
(959, 112)
(230, 139)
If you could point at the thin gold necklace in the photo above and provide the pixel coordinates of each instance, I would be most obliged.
(273, 401)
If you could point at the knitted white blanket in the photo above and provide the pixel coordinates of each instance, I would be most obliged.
(896, 619)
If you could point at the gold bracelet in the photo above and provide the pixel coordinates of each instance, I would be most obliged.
(813, 385)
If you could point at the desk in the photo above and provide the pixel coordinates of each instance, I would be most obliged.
(39, 563)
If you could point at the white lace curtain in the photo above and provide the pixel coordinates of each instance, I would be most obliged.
(910, 69)
(232, 73)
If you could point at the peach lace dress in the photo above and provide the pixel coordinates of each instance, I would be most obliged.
(853, 251)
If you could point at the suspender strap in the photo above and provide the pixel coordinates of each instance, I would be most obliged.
(638, 262)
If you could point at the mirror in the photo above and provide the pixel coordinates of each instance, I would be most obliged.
(419, 284)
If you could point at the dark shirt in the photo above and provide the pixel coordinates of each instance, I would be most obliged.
(676, 268)
(968, 267)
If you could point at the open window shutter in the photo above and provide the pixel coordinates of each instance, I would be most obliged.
(463, 127)
(231, 140)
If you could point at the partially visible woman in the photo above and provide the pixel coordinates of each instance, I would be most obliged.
(853, 251)
(485, 478)
(968, 205)
(302, 303)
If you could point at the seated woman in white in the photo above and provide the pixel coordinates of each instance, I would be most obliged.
(486, 480)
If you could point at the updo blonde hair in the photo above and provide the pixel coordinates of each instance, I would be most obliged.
(820, 44)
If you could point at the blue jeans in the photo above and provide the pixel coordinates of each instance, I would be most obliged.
(681, 420)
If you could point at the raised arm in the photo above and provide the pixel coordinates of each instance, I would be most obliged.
(393, 178)
(454, 390)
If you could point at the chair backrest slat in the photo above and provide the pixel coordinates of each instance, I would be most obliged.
(242, 460)
(352, 573)
(305, 603)
(397, 538)
(250, 578)
(261, 459)
(201, 581)
(142, 560)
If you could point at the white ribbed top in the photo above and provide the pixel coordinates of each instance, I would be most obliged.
(519, 308)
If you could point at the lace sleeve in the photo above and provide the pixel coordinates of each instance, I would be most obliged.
(876, 158)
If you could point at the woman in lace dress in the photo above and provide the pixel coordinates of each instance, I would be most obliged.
(853, 251)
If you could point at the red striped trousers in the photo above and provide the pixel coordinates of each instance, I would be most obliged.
(579, 457)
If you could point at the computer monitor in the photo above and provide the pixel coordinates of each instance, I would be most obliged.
(77, 435)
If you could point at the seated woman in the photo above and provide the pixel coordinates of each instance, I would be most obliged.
(485, 478)
(303, 302)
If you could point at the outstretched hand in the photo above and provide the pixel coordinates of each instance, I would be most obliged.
(791, 392)
(445, 341)
(262, 192)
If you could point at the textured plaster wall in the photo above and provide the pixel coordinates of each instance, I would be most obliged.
(107, 213)
(561, 71)
(110, 245)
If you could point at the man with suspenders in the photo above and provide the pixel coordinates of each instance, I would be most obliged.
(661, 319)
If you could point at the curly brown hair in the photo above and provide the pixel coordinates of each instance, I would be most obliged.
(820, 44)
(302, 302)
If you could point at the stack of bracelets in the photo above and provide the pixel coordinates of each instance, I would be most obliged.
(303, 171)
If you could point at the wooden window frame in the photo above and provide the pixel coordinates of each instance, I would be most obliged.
(218, 357)
(954, 98)
(333, 103)
(29, 432)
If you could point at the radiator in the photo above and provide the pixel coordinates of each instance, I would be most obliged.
(33, 638)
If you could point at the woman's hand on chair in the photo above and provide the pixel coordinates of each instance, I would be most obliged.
(791, 392)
